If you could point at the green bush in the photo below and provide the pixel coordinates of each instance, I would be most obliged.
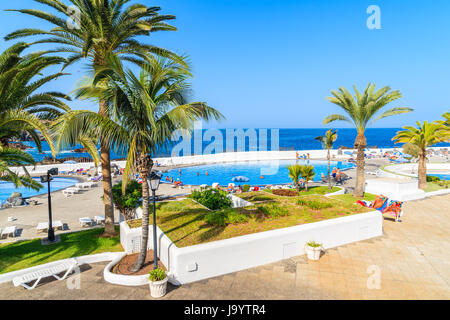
(157, 275)
(313, 244)
(245, 187)
(212, 199)
(433, 179)
(128, 202)
(314, 204)
(273, 210)
(224, 217)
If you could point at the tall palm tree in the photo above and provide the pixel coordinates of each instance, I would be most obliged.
(295, 174)
(361, 111)
(424, 136)
(307, 173)
(24, 106)
(327, 143)
(146, 110)
(12, 157)
(99, 29)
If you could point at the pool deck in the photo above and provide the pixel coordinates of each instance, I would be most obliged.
(87, 203)
(410, 260)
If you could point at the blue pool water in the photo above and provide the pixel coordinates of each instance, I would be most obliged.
(273, 172)
(6, 188)
(442, 176)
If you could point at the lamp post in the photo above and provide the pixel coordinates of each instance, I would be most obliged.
(154, 180)
(47, 178)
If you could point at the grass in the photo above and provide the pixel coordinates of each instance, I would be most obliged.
(314, 190)
(350, 199)
(186, 223)
(433, 186)
(29, 253)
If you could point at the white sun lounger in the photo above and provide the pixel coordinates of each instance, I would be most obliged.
(52, 271)
(43, 226)
(9, 231)
(86, 221)
(99, 219)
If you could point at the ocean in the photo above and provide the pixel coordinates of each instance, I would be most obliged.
(288, 139)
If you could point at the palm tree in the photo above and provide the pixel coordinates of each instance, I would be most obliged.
(104, 28)
(423, 136)
(361, 111)
(446, 122)
(327, 143)
(22, 109)
(307, 173)
(12, 157)
(295, 173)
(146, 110)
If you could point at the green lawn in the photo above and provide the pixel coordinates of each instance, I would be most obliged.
(350, 199)
(26, 254)
(314, 190)
(184, 221)
(433, 186)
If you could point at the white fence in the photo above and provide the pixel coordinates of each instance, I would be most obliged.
(217, 258)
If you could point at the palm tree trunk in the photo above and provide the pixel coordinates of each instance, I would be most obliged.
(422, 170)
(328, 174)
(144, 166)
(107, 182)
(360, 143)
(105, 155)
(145, 224)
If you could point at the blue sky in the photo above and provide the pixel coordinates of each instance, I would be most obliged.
(271, 64)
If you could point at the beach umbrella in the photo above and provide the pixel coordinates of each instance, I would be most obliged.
(70, 162)
(240, 179)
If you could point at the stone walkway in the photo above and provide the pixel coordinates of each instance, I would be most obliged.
(412, 260)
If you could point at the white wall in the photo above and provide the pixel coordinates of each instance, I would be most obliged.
(217, 258)
(395, 189)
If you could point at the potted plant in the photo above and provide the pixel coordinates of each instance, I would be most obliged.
(158, 283)
(313, 250)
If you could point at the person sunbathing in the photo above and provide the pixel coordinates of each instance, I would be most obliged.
(333, 173)
(338, 176)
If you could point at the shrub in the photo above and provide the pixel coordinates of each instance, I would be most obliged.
(433, 179)
(157, 275)
(314, 204)
(224, 217)
(313, 244)
(212, 199)
(274, 210)
(285, 192)
(245, 187)
(128, 202)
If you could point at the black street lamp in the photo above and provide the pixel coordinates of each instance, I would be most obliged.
(48, 178)
(153, 181)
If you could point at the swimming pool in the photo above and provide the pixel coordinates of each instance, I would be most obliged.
(272, 172)
(6, 188)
